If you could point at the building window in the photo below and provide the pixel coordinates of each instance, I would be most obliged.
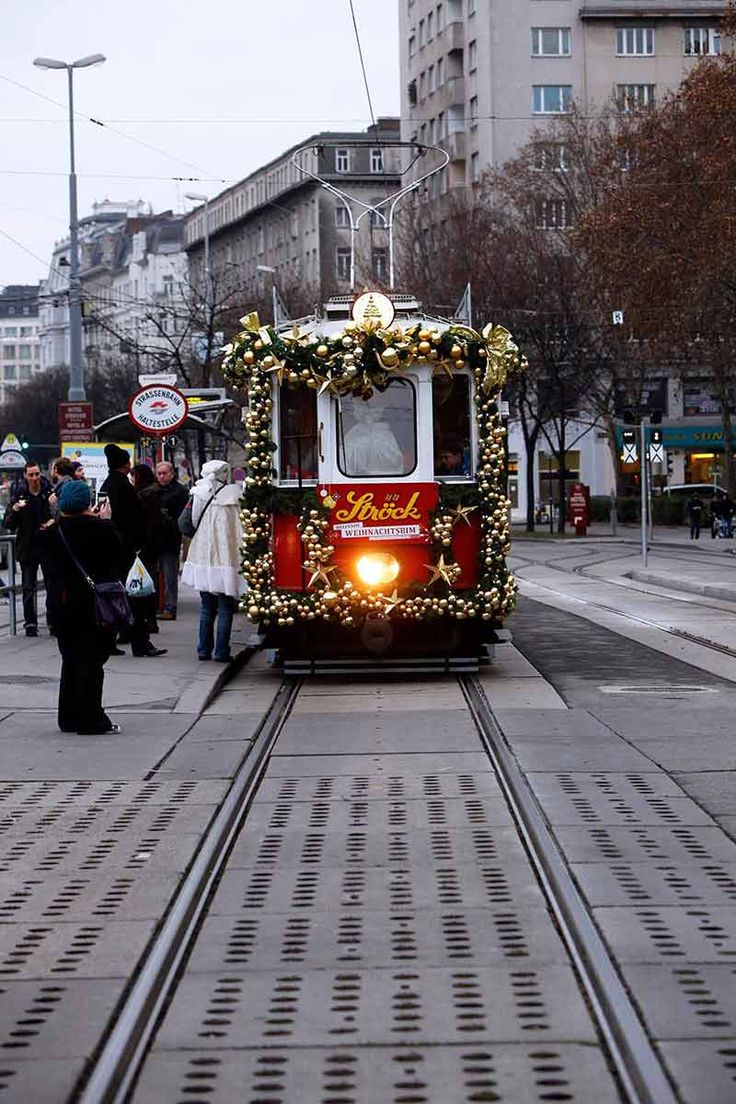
(440, 126)
(342, 160)
(634, 41)
(472, 56)
(377, 437)
(25, 352)
(380, 264)
(376, 161)
(474, 168)
(634, 97)
(551, 41)
(342, 217)
(473, 110)
(10, 331)
(422, 85)
(552, 214)
(550, 157)
(551, 99)
(430, 79)
(440, 72)
(26, 331)
(25, 371)
(412, 45)
(8, 352)
(10, 372)
(430, 26)
(342, 265)
(701, 40)
(471, 7)
(421, 32)
(440, 19)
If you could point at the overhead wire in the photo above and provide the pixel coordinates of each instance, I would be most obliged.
(362, 62)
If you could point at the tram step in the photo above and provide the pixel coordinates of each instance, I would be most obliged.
(371, 666)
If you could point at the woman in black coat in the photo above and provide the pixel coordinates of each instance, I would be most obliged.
(84, 646)
(149, 496)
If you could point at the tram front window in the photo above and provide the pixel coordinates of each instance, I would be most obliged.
(297, 433)
(451, 412)
(377, 436)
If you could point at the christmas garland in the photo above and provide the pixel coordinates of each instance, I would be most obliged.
(358, 360)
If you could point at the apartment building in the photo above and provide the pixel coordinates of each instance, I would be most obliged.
(280, 220)
(19, 344)
(479, 76)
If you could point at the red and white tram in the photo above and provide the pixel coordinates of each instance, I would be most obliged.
(375, 513)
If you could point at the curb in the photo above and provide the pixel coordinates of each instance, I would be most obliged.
(705, 590)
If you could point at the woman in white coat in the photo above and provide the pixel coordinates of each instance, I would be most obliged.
(213, 562)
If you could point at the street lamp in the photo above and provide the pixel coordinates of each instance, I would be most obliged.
(195, 197)
(274, 293)
(76, 362)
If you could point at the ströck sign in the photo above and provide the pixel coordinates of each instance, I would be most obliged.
(158, 409)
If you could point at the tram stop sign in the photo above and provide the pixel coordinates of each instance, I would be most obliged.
(158, 409)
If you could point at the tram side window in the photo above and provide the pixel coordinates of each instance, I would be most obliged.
(451, 414)
(297, 432)
(377, 436)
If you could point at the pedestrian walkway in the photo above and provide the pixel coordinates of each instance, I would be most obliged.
(155, 700)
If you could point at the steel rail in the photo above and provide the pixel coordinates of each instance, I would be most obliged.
(632, 1053)
(117, 1064)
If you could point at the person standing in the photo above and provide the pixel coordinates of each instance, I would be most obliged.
(174, 498)
(28, 514)
(149, 496)
(695, 513)
(84, 646)
(213, 562)
(127, 516)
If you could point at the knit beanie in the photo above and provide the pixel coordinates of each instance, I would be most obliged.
(75, 497)
(116, 456)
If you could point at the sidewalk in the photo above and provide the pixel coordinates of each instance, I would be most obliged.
(155, 700)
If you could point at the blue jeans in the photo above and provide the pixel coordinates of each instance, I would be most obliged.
(220, 607)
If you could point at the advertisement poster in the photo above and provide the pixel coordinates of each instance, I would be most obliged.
(92, 455)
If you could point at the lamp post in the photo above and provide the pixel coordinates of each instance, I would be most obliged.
(195, 197)
(76, 362)
(274, 304)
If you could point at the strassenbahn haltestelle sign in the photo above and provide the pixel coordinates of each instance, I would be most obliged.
(158, 408)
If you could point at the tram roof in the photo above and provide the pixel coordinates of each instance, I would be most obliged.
(337, 311)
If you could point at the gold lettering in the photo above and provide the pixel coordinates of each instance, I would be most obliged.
(362, 508)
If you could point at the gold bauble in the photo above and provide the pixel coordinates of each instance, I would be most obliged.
(424, 347)
(293, 377)
(258, 344)
(268, 362)
(347, 342)
(456, 352)
(321, 351)
(424, 335)
(390, 357)
(253, 611)
(249, 357)
(328, 597)
(459, 363)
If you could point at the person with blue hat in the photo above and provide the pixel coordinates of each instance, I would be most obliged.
(83, 547)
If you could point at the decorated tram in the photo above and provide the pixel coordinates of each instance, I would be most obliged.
(375, 516)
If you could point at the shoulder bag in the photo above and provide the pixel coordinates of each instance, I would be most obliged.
(187, 528)
(111, 606)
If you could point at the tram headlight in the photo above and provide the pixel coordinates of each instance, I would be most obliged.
(377, 568)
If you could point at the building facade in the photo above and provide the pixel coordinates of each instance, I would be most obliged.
(19, 336)
(282, 222)
(132, 270)
(479, 76)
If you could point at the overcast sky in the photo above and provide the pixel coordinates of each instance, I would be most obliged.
(218, 87)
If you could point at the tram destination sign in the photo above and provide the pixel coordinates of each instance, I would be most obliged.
(158, 409)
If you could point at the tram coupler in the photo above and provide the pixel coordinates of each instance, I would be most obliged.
(377, 634)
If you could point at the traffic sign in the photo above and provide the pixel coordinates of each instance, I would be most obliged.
(630, 451)
(656, 448)
(158, 409)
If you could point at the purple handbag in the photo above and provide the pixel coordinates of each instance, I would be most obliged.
(111, 606)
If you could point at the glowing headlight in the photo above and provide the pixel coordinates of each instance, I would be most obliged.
(378, 568)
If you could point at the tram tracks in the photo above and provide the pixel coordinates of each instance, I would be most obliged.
(630, 1052)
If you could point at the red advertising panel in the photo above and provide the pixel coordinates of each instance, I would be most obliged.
(75, 421)
(379, 512)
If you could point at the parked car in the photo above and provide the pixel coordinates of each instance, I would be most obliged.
(705, 490)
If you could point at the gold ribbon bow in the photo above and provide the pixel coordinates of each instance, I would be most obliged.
(498, 343)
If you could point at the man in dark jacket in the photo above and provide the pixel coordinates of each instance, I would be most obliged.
(28, 514)
(127, 516)
(173, 499)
